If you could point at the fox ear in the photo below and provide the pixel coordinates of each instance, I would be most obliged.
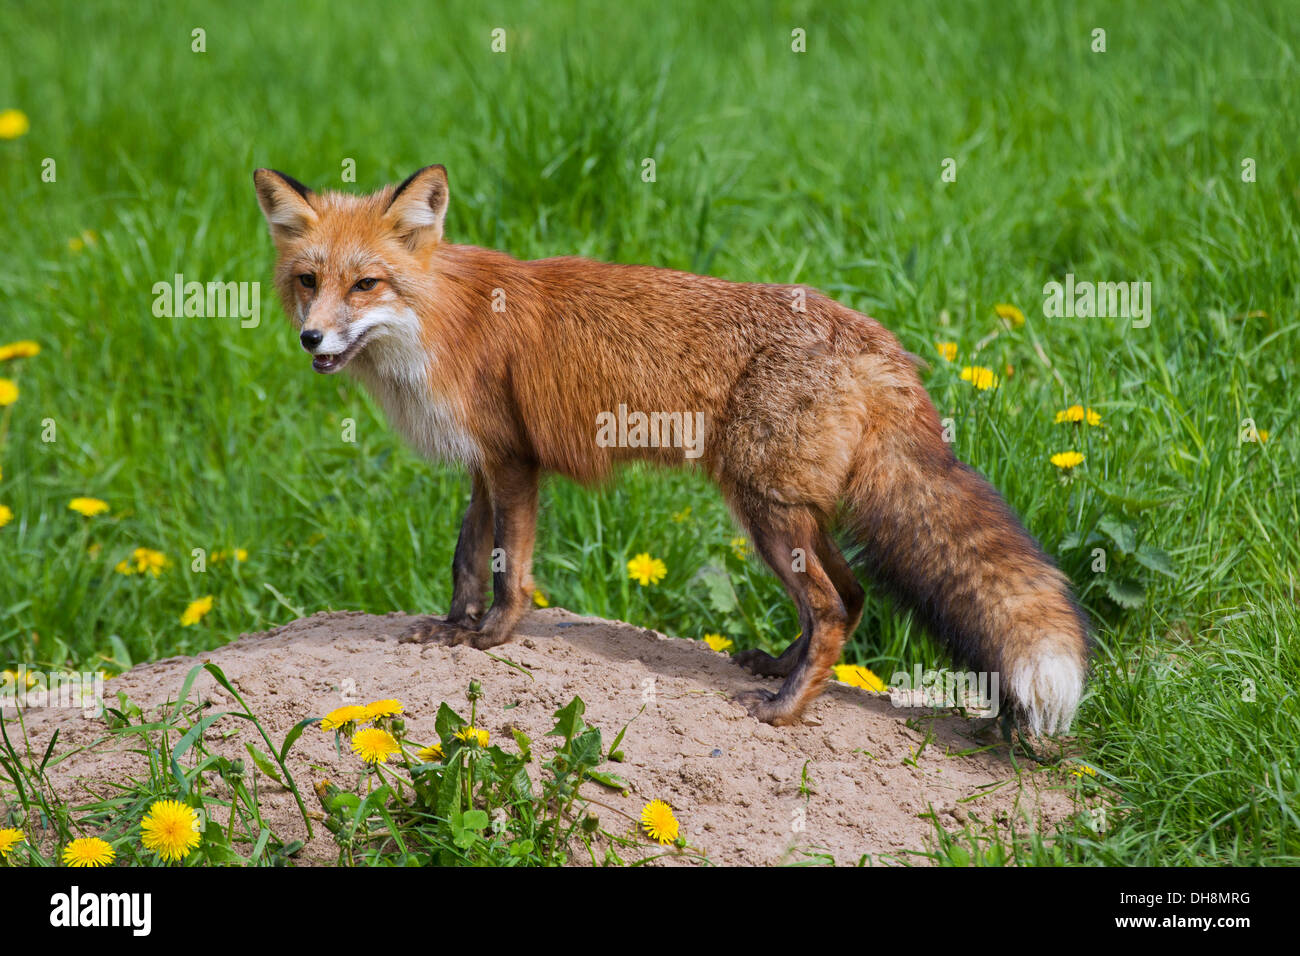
(419, 206)
(285, 202)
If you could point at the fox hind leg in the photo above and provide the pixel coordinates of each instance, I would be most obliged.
(782, 534)
(845, 581)
(851, 594)
(763, 664)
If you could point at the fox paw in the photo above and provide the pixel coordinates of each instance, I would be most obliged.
(767, 707)
(437, 630)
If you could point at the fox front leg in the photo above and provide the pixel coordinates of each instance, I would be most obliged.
(469, 575)
(514, 491)
(469, 568)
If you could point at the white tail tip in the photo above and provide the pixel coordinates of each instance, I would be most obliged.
(1047, 686)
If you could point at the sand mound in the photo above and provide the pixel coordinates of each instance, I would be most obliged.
(734, 783)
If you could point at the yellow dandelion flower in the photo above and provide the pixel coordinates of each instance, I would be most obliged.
(143, 560)
(21, 676)
(979, 376)
(374, 745)
(1263, 436)
(24, 349)
(88, 851)
(151, 561)
(170, 829)
(383, 708)
(857, 676)
(14, 123)
(430, 754)
(679, 516)
(195, 612)
(540, 599)
(740, 548)
(1010, 313)
(88, 506)
(646, 570)
(1067, 460)
(473, 735)
(1077, 413)
(717, 641)
(8, 392)
(947, 351)
(10, 838)
(78, 243)
(341, 717)
(241, 555)
(1082, 769)
(658, 822)
(6, 515)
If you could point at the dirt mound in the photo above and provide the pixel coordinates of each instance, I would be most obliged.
(846, 783)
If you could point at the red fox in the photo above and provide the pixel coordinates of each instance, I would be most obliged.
(812, 416)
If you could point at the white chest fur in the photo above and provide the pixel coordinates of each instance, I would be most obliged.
(399, 372)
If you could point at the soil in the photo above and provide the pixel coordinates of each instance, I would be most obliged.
(847, 785)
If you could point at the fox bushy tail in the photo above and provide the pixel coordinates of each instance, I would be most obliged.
(940, 539)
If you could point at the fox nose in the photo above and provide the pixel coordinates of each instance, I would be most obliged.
(311, 338)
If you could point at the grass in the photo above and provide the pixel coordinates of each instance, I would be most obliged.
(823, 167)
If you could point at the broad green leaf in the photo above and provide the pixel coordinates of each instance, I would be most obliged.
(1152, 557)
(722, 596)
(447, 723)
(568, 720)
(1126, 593)
(344, 802)
(586, 750)
(449, 793)
(1122, 534)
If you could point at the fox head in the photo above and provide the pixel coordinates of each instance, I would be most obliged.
(351, 271)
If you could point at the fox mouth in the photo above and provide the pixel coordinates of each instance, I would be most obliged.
(329, 364)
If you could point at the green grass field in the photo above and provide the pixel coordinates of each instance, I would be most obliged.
(1168, 158)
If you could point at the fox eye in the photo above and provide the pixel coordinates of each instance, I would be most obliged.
(365, 285)
(308, 280)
